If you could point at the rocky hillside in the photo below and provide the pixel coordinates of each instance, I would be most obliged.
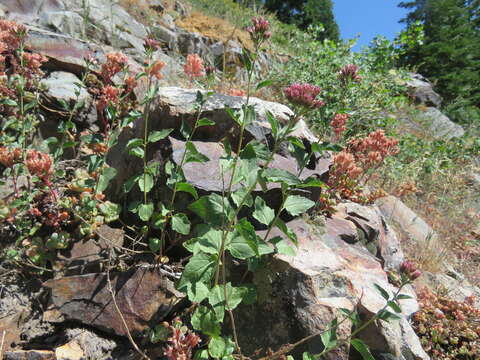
(164, 195)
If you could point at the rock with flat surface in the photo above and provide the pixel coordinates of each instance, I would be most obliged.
(299, 295)
(422, 91)
(143, 296)
(394, 210)
(30, 355)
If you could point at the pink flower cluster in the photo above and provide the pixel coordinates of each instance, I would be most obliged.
(194, 67)
(11, 35)
(115, 63)
(349, 73)
(260, 29)
(410, 270)
(339, 123)
(344, 165)
(181, 344)
(372, 150)
(32, 63)
(304, 95)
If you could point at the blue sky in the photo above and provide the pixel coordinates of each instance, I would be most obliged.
(368, 18)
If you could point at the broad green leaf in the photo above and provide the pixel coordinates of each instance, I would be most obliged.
(204, 320)
(362, 348)
(210, 241)
(201, 355)
(239, 195)
(283, 247)
(263, 84)
(197, 292)
(213, 209)
(244, 241)
(286, 230)
(382, 291)
(145, 211)
(134, 143)
(296, 205)
(216, 298)
(188, 188)
(130, 183)
(158, 135)
(273, 123)
(311, 182)
(395, 307)
(192, 154)
(263, 213)
(200, 268)
(387, 315)
(185, 129)
(137, 151)
(403, 297)
(145, 182)
(154, 244)
(308, 356)
(329, 338)
(205, 122)
(103, 180)
(219, 347)
(281, 176)
(181, 224)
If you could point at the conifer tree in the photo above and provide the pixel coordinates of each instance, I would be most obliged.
(304, 13)
(450, 55)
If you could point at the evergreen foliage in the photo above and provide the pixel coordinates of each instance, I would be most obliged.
(450, 55)
(304, 13)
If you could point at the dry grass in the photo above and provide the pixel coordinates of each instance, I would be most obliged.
(447, 203)
(215, 28)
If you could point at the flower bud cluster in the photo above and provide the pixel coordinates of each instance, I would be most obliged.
(304, 95)
(349, 73)
(409, 269)
(260, 29)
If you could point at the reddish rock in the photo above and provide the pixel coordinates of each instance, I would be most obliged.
(299, 295)
(143, 295)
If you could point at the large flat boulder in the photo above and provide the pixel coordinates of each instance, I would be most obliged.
(299, 295)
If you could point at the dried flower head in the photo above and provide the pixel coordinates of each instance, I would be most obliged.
(349, 73)
(11, 35)
(32, 64)
(194, 67)
(9, 157)
(304, 95)
(372, 150)
(115, 63)
(110, 95)
(39, 164)
(339, 123)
